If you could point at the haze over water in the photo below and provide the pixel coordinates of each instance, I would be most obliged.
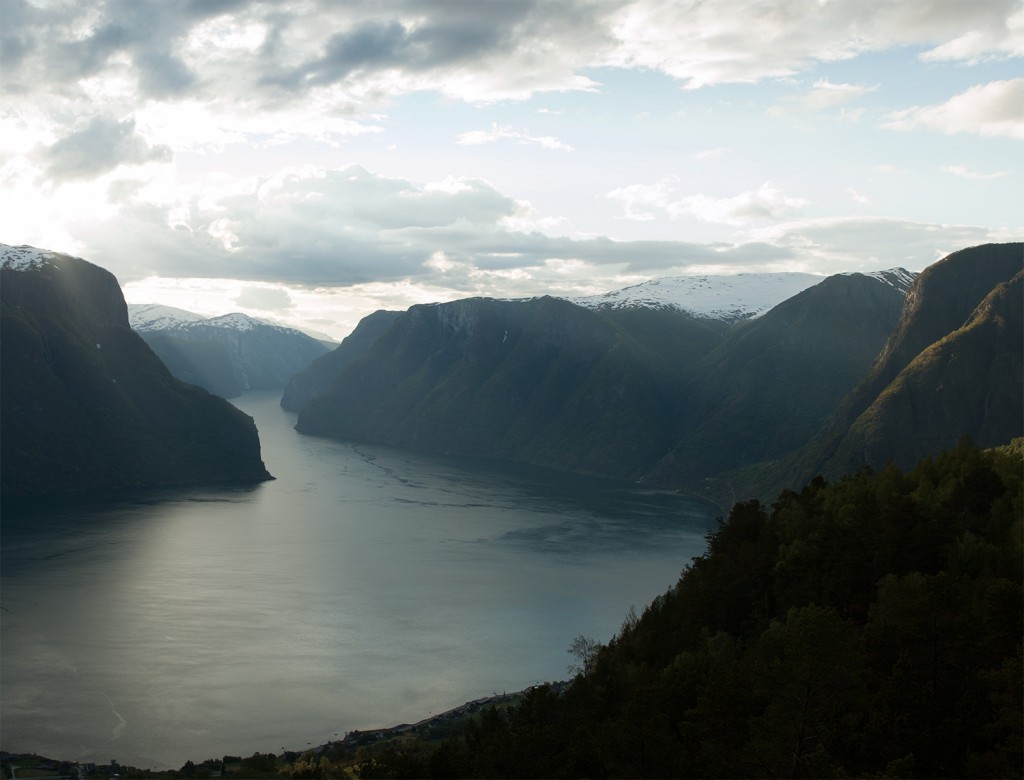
(364, 587)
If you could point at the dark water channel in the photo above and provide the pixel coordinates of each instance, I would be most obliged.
(363, 587)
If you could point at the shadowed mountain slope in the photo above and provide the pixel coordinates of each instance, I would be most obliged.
(226, 355)
(944, 299)
(774, 380)
(966, 383)
(87, 405)
(541, 381)
(317, 378)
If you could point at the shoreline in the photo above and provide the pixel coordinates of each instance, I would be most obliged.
(350, 741)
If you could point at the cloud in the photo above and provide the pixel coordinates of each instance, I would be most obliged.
(1001, 37)
(504, 132)
(348, 226)
(825, 94)
(768, 202)
(712, 154)
(264, 298)
(872, 243)
(263, 56)
(266, 55)
(641, 202)
(101, 146)
(356, 241)
(746, 41)
(965, 173)
(992, 109)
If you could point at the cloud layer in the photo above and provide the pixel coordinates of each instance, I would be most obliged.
(283, 142)
(262, 53)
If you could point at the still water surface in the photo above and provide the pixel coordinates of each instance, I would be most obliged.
(363, 587)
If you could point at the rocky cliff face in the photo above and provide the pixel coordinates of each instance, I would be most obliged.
(87, 405)
(913, 368)
(967, 383)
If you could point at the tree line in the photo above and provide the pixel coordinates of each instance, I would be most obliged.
(869, 627)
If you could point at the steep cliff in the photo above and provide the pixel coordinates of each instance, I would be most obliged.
(318, 377)
(87, 405)
(542, 381)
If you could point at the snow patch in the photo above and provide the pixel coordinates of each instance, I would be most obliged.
(730, 298)
(153, 316)
(144, 317)
(236, 321)
(26, 258)
(898, 278)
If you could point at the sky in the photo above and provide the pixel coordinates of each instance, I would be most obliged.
(311, 161)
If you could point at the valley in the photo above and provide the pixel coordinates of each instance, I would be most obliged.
(535, 469)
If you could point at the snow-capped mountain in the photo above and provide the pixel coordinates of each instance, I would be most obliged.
(25, 258)
(228, 354)
(899, 278)
(729, 298)
(86, 405)
(154, 316)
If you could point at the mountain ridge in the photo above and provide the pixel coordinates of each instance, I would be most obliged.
(227, 354)
(722, 406)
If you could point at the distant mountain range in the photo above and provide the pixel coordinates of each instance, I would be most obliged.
(226, 355)
(87, 405)
(730, 299)
(728, 386)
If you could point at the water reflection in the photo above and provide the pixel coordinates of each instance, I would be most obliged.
(363, 587)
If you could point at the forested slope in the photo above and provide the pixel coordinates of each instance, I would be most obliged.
(866, 628)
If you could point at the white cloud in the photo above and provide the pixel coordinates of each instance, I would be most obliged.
(712, 154)
(965, 173)
(825, 94)
(251, 58)
(992, 109)
(873, 243)
(767, 203)
(265, 298)
(504, 132)
(858, 197)
(641, 202)
(745, 41)
(977, 45)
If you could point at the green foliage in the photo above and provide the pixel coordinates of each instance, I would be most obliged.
(867, 628)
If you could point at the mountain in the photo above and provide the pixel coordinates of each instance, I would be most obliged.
(951, 368)
(226, 355)
(86, 404)
(726, 298)
(317, 378)
(542, 381)
(719, 300)
(668, 387)
(775, 379)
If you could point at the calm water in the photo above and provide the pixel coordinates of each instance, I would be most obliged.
(364, 587)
